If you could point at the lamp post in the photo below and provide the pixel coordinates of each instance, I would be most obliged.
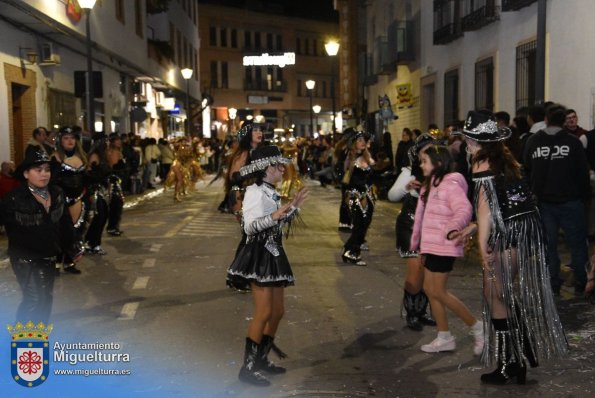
(232, 113)
(316, 109)
(88, 5)
(332, 48)
(187, 75)
(310, 84)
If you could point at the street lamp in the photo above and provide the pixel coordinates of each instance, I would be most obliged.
(187, 75)
(232, 113)
(310, 84)
(316, 109)
(332, 48)
(87, 5)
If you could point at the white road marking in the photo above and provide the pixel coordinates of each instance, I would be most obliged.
(141, 282)
(155, 247)
(128, 311)
(149, 263)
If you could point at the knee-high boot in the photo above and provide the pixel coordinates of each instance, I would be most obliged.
(266, 344)
(411, 310)
(249, 372)
(509, 366)
(422, 307)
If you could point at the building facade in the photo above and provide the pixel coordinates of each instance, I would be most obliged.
(471, 54)
(256, 63)
(43, 64)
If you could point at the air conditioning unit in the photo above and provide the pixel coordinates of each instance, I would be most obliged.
(48, 55)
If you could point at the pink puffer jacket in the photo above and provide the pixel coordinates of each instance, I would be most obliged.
(447, 209)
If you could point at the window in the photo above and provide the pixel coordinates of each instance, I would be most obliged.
(257, 40)
(525, 74)
(484, 84)
(234, 38)
(447, 21)
(138, 18)
(120, 11)
(223, 37)
(214, 78)
(451, 97)
(298, 46)
(224, 75)
(269, 41)
(212, 36)
(248, 76)
(315, 47)
(247, 39)
(258, 76)
(279, 43)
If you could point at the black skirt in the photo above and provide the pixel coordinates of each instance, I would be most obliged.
(262, 260)
(404, 226)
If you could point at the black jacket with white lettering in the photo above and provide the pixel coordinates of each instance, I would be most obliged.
(557, 167)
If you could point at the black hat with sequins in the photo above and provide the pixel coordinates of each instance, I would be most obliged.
(481, 126)
(263, 157)
(32, 159)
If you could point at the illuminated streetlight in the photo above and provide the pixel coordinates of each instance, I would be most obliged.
(187, 75)
(310, 84)
(316, 109)
(88, 5)
(332, 49)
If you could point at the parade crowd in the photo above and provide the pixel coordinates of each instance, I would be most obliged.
(509, 185)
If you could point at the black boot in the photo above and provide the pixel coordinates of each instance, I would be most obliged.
(422, 306)
(264, 363)
(249, 372)
(409, 302)
(510, 368)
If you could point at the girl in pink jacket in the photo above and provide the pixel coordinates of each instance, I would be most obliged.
(443, 210)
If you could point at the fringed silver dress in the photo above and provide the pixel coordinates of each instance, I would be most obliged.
(525, 289)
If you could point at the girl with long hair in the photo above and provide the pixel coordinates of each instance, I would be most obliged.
(442, 210)
(522, 324)
(261, 261)
(69, 169)
(358, 196)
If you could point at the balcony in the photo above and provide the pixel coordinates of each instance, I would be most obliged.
(514, 5)
(447, 33)
(480, 17)
(278, 86)
(401, 43)
(381, 63)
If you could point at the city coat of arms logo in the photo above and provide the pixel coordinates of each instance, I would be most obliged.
(30, 353)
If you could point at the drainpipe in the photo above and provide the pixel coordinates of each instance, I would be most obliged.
(540, 53)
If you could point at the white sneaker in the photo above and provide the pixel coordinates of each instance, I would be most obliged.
(478, 341)
(439, 345)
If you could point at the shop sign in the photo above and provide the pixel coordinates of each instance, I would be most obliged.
(268, 59)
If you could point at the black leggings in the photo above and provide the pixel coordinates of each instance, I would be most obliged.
(361, 223)
(98, 224)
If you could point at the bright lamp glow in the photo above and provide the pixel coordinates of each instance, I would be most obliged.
(332, 48)
(87, 4)
(187, 73)
(316, 108)
(310, 84)
(232, 112)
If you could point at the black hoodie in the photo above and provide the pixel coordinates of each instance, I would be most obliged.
(557, 166)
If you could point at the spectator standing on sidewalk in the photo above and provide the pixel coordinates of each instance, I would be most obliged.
(98, 171)
(117, 166)
(559, 173)
(522, 323)
(8, 181)
(152, 154)
(442, 210)
(39, 142)
(572, 126)
(39, 228)
(167, 158)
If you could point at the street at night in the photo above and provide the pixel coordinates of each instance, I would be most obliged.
(160, 291)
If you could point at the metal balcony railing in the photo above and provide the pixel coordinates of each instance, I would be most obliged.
(480, 17)
(401, 43)
(447, 33)
(513, 5)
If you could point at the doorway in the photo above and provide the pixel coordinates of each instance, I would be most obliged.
(18, 108)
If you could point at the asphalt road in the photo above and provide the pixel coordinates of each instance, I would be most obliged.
(160, 291)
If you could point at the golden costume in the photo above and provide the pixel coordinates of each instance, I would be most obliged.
(185, 170)
(291, 177)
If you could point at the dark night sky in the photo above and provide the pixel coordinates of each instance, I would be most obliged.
(309, 9)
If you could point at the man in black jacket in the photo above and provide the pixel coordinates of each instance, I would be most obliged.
(559, 173)
(39, 228)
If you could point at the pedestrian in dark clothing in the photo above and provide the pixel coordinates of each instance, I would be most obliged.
(401, 157)
(39, 228)
(559, 174)
(387, 143)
